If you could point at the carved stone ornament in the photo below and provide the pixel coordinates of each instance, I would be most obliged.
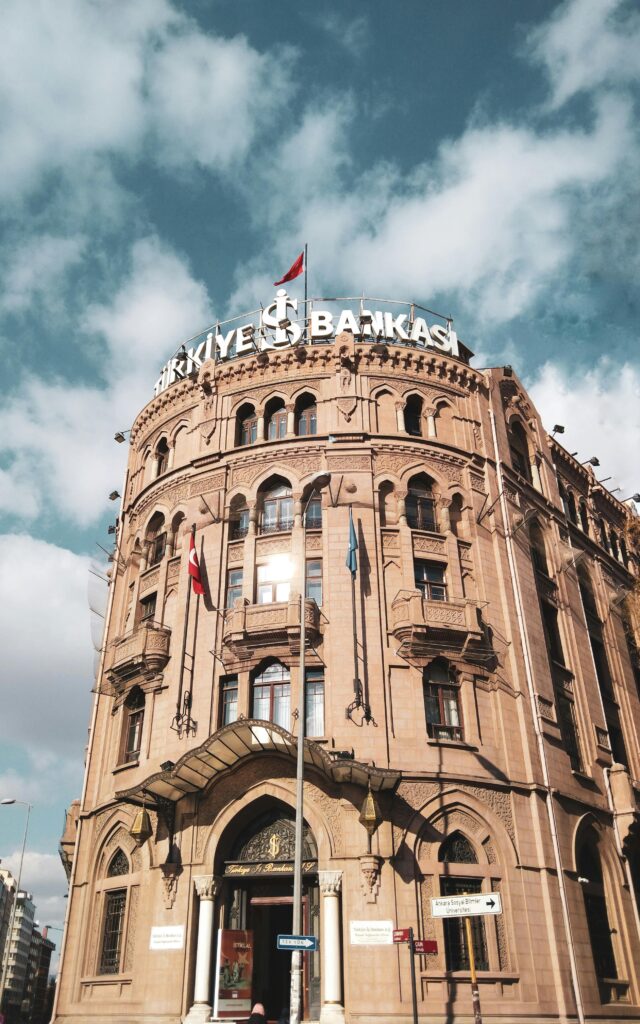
(170, 884)
(347, 407)
(330, 882)
(207, 886)
(370, 867)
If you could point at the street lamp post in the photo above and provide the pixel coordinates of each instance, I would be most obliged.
(296, 956)
(5, 962)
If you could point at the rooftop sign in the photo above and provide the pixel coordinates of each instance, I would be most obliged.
(279, 326)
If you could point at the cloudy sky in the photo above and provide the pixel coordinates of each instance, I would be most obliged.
(162, 162)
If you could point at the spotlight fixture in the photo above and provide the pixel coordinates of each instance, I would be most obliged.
(166, 766)
(507, 370)
(182, 354)
(262, 359)
(632, 497)
(111, 529)
(120, 435)
(558, 429)
(114, 495)
(593, 461)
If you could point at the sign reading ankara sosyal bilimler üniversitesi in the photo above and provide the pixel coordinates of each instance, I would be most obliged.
(280, 325)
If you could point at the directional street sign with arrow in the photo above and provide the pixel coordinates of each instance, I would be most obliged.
(471, 905)
(307, 943)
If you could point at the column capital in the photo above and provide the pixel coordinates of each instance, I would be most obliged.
(330, 882)
(207, 886)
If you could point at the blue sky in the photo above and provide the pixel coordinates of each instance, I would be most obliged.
(161, 163)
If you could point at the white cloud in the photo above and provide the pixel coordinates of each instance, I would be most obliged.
(588, 44)
(36, 268)
(600, 410)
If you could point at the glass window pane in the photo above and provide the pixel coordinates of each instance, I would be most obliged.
(282, 705)
(282, 590)
(314, 704)
(261, 701)
(265, 593)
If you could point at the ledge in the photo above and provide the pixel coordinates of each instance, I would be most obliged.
(458, 744)
(123, 767)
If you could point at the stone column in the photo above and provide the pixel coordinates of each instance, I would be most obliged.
(291, 420)
(430, 413)
(332, 1011)
(206, 887)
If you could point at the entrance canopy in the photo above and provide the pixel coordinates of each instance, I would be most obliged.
(245, 739)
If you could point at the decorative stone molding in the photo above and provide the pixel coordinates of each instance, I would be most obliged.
(206, 886)
(370, 868)
(330, 882)
(170, 874)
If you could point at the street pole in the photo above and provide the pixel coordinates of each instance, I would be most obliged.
(296, 956)
(414, 994)
(5, 962)
(475, 992)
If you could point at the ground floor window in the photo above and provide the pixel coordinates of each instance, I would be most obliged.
(114, 910)
(455, 932)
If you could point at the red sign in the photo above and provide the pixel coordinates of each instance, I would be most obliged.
(423, 946)
(234, 968)
(400, 934)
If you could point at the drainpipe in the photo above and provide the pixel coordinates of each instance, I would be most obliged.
(515, 584)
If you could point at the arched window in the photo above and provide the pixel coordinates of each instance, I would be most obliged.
(421, 504)
(118, 865)
(564, 499)
(613, 541)
(277, 506)
(457, 850)
(595, 906)
(441, 702)
(384, 413)
(132, 726)
(275, 420)
(306, 416)
(538, 549)
(413, 416)
(246, 425)
(604, 540)
(176, 526)
(162, 456)
(571, 508)
(156, 539)
(113, 916)
(584, 517)
(271, 698)
(519, 448)
(239, 517)
(388, 504)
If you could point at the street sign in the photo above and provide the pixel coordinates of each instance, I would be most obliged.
(471, 905)
(307, 943)
(400, 934)
(423, 946)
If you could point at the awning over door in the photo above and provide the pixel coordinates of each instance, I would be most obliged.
(250, 738)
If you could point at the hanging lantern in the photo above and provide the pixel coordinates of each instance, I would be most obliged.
(142, 829)
(370, 815)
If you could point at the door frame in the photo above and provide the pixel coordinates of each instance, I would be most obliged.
(266, 901)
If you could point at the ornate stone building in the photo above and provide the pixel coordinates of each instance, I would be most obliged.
(480, 675)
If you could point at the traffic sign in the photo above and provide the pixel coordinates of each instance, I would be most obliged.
(400, 934)
(423, 946)
(471, 905)
(307, 943)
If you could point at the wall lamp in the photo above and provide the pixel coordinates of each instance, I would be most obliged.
(114, 495)
(593, 461)
(120, 435)
(166, 766)
(558, 429)
(507, 370)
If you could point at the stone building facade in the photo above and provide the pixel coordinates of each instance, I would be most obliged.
(480, 675)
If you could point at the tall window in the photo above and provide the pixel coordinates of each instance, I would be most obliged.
(115, 904)
(313, 586)
(247, 425)
(239, 521)
(277, 509)
(430, 580)
(314, 702)
(274, 582)
(457, 850)
(234, 586)
(538, 549)
(595, 905)
(441, 702)
(272, 695)
(156, 539)
(421, 504)
(162, 456)
(519, 449)
(276, 421)
(133, 722)
(584, 517)
(313, 514)
(229, 700)
(413, 416)
(306, 416)
(148, 608)
(562, 685)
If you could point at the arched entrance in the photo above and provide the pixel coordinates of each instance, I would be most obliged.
(255, 860)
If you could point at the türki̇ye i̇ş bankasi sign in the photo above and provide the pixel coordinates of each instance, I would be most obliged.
(275, 328)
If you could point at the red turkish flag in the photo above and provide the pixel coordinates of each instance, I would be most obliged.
(294, 270)
(194, 565)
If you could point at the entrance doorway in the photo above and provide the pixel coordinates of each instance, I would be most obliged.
(270, 917)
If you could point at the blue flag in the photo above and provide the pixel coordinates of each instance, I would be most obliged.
(352, 558)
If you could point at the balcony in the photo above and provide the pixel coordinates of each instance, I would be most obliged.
(427, 629)
(144, 654)
(252, 627)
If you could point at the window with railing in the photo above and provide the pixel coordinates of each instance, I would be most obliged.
(430, 580)
(239, 523)
(420, 505)
(441, 702)
(313, 514)
(277, 510)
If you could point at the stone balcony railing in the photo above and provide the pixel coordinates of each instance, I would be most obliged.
(250, 627)
(427, 629)
(143, 653)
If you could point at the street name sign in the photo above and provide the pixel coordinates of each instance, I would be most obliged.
(423, 946)
(400, 934)
(472, 905)
(307, 943)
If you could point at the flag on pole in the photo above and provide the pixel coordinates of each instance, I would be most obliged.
(194, 565)
(352, 558)
(296, 268)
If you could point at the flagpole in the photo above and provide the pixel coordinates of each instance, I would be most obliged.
(356, 682)
(306, 311)
(178, 717)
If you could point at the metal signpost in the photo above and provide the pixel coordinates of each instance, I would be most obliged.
(468, 906)
(419, 946)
